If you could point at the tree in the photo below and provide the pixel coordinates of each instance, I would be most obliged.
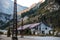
(8, 32)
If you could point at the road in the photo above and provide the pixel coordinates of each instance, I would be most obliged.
(31, 38)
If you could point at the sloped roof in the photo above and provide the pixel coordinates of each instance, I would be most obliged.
(32, 25)
(3, 30)
(28, 26)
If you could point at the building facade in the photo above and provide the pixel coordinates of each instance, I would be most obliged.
(38, 28)
(41, 29)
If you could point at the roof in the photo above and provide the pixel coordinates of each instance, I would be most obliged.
(3, 30)
(29, 26)
(32, 25)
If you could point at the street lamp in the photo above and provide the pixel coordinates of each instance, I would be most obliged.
(14, 29)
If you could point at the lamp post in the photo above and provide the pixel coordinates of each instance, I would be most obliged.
(14, 29)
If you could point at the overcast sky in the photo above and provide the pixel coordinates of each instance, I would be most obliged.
(28, 3)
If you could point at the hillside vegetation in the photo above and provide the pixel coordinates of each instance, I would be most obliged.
(48, 12)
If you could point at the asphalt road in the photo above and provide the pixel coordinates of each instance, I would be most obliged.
(3, 37)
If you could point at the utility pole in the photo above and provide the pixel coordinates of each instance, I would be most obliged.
(22, 26)
(14, 29)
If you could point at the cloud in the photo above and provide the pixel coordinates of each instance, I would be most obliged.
(28, 3)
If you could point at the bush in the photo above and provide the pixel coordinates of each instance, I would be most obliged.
(1, 33)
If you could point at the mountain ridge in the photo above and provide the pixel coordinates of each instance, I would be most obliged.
(6, 11)
(7, 6)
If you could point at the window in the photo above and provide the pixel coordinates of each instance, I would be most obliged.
(42, 32)
(46, 28)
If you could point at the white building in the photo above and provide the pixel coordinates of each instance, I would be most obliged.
(37, 28)
(3, 31)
